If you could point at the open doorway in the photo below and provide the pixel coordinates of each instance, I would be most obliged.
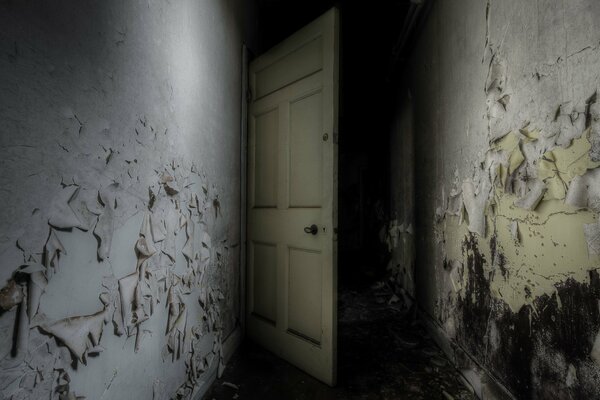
(376, 331)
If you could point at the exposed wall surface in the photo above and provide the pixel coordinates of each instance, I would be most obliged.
(119, 225)
(506, 130)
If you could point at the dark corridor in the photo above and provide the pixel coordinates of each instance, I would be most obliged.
(383, 350)
(383, 354)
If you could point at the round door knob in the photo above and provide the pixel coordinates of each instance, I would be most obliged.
(313, 229)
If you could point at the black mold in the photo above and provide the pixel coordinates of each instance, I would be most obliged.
(537, 344)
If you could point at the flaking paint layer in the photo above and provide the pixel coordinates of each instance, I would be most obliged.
(507, 191)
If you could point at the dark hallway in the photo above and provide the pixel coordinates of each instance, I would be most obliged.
(383, 353)
(299, 199)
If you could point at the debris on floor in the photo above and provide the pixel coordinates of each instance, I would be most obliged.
(402, 363)
(230, 385)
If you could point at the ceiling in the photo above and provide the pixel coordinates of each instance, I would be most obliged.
(376, 38)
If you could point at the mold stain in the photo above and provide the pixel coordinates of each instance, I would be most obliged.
(543, 349)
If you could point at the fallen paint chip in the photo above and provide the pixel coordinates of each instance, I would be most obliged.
(447, 395)
(571, 376)
(438, 362)
(231, 385)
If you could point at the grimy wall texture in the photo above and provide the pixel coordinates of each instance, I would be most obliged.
(507, 190)
(119, 217)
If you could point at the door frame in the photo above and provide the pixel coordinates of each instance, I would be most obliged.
(244, 184)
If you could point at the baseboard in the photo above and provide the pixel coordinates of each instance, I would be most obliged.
(230, 345)
(212, 376)
(474, 376)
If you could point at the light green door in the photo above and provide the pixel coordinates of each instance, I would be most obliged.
(292, 185)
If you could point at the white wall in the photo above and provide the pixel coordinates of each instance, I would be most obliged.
(101, 103)
(504, 113)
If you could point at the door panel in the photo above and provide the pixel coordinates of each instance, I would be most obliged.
(306, 166)
(265, 173)
(299, 63)
(292, 184)
(304, 301)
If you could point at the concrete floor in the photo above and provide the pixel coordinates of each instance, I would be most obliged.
(383, 354)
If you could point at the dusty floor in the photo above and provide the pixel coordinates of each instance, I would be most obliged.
(383, 354)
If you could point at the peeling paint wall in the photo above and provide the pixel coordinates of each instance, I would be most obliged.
(506, 131)
(119, 150)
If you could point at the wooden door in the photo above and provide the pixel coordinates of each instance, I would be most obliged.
(292, 199)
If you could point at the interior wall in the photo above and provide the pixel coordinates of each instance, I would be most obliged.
(120, 186)
(506, 190)
(400, 235)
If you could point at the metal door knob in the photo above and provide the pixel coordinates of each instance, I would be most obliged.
(313, 229)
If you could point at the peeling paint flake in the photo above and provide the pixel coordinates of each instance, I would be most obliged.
(592, 236)
(533, 197)
(475, 204)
